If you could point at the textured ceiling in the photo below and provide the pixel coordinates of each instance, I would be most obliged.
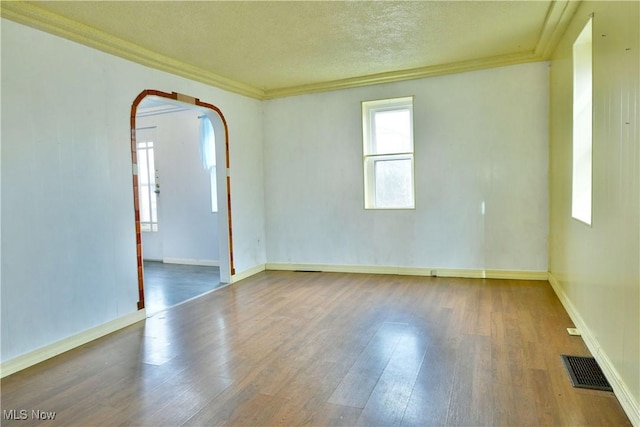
(277, 48)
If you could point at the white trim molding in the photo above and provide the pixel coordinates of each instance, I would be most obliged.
(247, 273)
(620, 389)
(47, 352)
(404, 271)
(557, 19)
(413, 271)
(36, 17)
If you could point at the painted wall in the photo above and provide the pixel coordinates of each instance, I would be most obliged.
(188, 230)
(480, 137)
(597, 268)
(68, 240)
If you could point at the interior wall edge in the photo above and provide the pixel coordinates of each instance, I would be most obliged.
(620, 389)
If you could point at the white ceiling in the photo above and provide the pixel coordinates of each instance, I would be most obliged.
(276, 48)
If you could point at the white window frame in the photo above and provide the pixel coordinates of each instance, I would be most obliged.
(208, 153)
(371, 158)
(147, 186)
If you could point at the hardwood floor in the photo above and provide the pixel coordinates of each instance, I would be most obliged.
(285, 348)
(166, 285)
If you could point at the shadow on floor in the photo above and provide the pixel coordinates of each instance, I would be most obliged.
(166, 285)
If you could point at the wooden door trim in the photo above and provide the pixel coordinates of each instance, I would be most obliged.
(134, 160)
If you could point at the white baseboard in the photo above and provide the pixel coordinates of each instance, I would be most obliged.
(191, 261)
(414, 271)
(40, 355)
(406, 271)
(247, 273)
(620, 389)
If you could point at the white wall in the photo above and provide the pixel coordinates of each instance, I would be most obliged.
(188, 230)
(597, 267)
(68, 241)
(479, 137)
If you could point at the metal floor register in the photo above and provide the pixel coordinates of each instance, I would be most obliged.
(584, 372)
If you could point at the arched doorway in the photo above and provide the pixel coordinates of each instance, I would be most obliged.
(224, 184)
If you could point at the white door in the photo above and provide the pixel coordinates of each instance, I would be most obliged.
(149, 191)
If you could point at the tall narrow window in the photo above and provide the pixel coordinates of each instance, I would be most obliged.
(387, 128)
(208, 154)
(582, 126)
(147, 195)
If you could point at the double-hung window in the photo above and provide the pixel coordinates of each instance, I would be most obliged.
(387, 128)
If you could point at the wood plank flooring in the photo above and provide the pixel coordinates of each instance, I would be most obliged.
(166, 285)
(320, 349)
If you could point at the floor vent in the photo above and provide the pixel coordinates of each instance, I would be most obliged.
(584, 372)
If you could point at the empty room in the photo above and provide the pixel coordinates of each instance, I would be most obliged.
(397, 213)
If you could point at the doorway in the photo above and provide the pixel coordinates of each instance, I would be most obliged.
(176, 249)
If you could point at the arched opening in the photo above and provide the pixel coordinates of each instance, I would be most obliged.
(223, 182)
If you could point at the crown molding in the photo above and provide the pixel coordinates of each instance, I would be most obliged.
(556, 21)
(35, 17)
(402, 75)
(558, 17)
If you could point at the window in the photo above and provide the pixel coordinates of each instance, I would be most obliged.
(582, 126)
(387, 128)
(208, 154)
(147, 195)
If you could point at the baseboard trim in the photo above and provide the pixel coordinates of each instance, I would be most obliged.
(620, 389)
(247, 273)
(40, 355)
(414, 271)
(191, 261)
(405, 271)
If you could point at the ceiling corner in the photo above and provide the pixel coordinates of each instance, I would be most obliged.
(558, 17)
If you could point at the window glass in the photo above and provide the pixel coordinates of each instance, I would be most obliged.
(393, 183)
(147, 197)
(392, 131)
(581, 193)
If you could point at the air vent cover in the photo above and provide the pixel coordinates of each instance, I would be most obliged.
(584, 372)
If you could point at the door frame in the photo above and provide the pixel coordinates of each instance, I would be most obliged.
(219, 125)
